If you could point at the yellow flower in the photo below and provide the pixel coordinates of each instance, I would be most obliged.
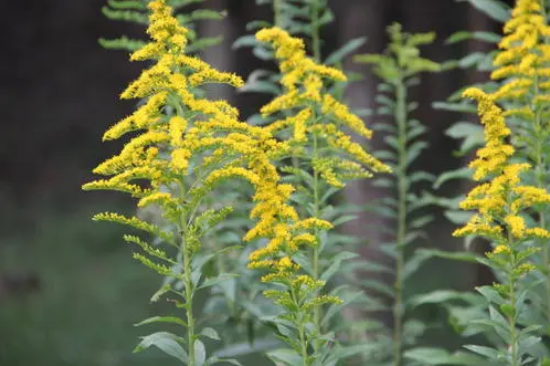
(501, 249)
(516, 225)
(499, 202)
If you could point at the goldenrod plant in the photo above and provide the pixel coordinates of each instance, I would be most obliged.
(135, 11)
(184, 147)
(305, 19)
(220, 307)
(315, 128)
(501, 204)
(511, 205)
(399, 68)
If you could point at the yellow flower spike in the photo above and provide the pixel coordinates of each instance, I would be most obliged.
(537, 232)
(313, 223)
(160, 198)
(231, 172)
(343, 114)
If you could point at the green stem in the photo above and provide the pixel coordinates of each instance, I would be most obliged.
(539, 177)
(316, 45)
(277, 12)
(315, 29)
(515, 361)
(301, 329)
(316, 251)
(401, 175)
(187, 253)
(539, 181)
(189, 306)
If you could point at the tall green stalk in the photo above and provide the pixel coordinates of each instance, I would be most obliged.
(316, 48)
(397, 67)
(277, 12)
(315, 29)
(540, 167)
(316, 250)
(515, 359)
(401, 176)
(540, 170)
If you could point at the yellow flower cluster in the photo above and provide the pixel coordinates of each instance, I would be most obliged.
(524, 54)
(500, 201)
(309, 113)
(179, 132)
(496, 151)
(314, 111)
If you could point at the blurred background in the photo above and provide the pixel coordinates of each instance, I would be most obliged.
(69, 290)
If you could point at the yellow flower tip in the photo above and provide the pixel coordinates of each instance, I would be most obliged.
(474, 93)
(501, 249)
(161, 198)
(537, 232)
(458, 233)
(268, 34)
(157, 5)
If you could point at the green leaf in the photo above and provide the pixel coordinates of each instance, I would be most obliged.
(484, 351)
(502, 332)
(480, 36)
(349, 47)
(472, 59)
(209, 282)
(122, 43)
(215, 360)
(334, 309)
(462, 173)
(494, 9)
(166, 342)
(245, 41)
(206, 14)
(414, 151)
(128, 4)
(441, 296)
(421, 221)
(471, 134)
(458, 217)
(164, 289)
(380, 287)
(336, 263)
(210, 333)
(340, 353)
(490, 294)
(162, 319)
(438, 356)
(287, 356)
(460, 256)
(343, 219)
(463, 107)
(200, 352)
